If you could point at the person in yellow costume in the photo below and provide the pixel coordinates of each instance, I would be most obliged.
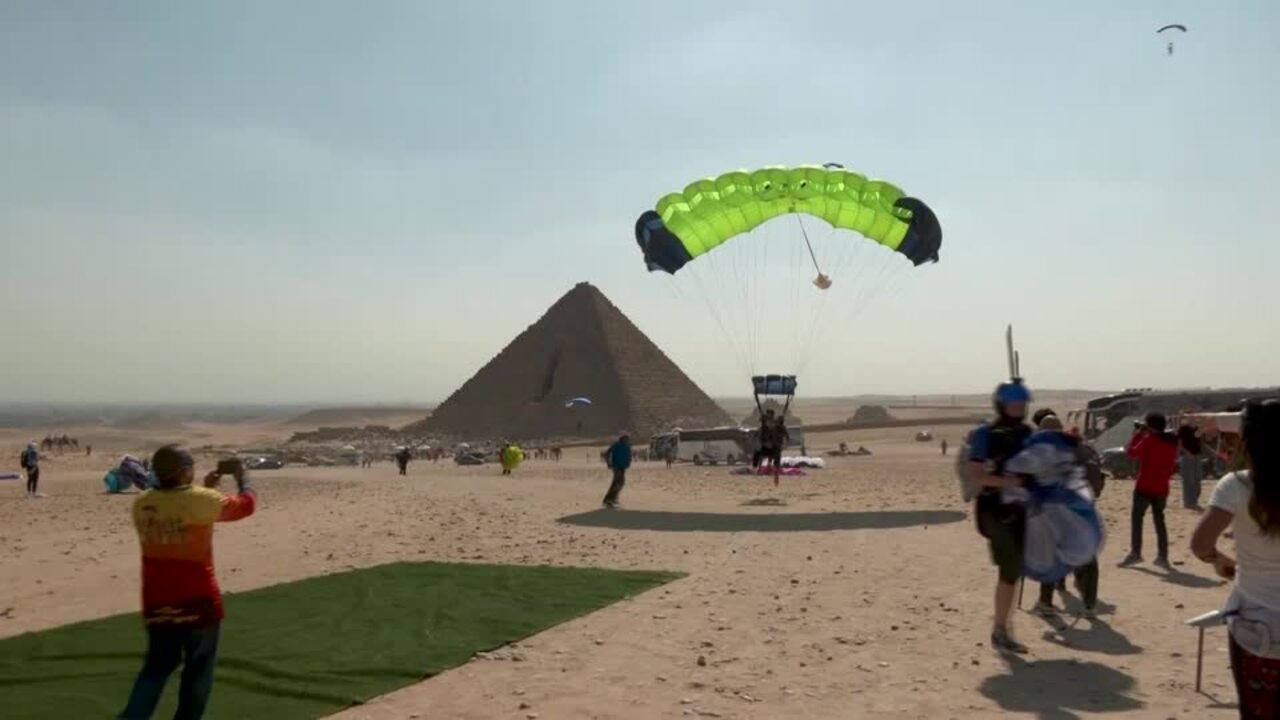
(510, 456)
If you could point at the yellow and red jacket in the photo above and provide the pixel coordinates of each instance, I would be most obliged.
(175, 528)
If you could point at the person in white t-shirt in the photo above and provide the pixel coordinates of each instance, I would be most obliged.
(1250, 500)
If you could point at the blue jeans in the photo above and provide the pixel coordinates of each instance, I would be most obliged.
(196, 650)
(1190, 470)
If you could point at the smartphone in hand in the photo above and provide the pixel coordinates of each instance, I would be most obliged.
(230, 466)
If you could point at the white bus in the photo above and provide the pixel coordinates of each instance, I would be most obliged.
(714, 446)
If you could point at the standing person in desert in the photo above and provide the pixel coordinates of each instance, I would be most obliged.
(618, 459)
(1190, 449)
(1156, 451)
(1249, 500)
(1003, 524)
(402, 460)
(181, 603)
(510, 457)
(30, 461)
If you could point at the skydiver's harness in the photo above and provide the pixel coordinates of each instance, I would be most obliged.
(1003, 442)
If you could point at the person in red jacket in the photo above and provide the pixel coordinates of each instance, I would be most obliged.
(181, 604)
(1156, 451)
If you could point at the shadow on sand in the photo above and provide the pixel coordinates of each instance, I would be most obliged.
(1178, 577)
(759, 522)
(1059, 689)
(1096, 636)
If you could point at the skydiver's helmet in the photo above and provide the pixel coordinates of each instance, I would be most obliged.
(1011, 393)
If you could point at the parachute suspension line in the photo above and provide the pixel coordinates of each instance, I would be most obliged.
(886, 282)
(712, 308)
(805, 343)
(757, 252)
(734, 277)
(822, 281)
(797, 262)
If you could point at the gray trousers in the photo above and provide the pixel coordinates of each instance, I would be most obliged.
(1190, 470)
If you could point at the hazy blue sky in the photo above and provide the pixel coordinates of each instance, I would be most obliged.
(322, 201)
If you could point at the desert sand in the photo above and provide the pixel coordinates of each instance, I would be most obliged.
(861, 590)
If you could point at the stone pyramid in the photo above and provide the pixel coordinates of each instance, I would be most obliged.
(582, 347)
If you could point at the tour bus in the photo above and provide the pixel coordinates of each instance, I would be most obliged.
(1111, 411)
(1107, 422)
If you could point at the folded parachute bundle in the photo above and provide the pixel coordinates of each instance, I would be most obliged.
(129, 473)
(803, 461)
(766, 471)
(1064, 530)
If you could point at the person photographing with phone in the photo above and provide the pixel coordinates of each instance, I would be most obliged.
(1156, 451)
(181, 602)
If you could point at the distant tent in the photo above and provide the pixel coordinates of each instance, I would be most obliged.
(867, 414)
(583, 347)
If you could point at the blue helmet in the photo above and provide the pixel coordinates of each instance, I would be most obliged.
(1011, 392)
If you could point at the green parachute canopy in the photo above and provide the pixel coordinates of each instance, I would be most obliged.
(686, 225)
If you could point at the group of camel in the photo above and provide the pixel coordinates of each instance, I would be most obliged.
(542, 453)
(61, 443)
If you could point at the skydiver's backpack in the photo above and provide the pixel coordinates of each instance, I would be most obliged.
(967, 490)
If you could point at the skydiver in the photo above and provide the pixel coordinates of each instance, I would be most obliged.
(773, 437)
(1003, 524)
(758, 456)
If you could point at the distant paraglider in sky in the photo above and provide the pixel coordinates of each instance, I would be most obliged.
(1174, 26)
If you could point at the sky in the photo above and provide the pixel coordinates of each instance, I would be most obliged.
(364, 202)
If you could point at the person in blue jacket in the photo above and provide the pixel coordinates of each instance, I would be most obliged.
(618, 458)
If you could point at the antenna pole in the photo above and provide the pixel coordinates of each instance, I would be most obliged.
(1010, 356)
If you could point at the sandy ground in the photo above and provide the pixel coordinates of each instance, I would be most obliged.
(858, 591)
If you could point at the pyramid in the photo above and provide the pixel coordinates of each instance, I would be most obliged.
(582, 347)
